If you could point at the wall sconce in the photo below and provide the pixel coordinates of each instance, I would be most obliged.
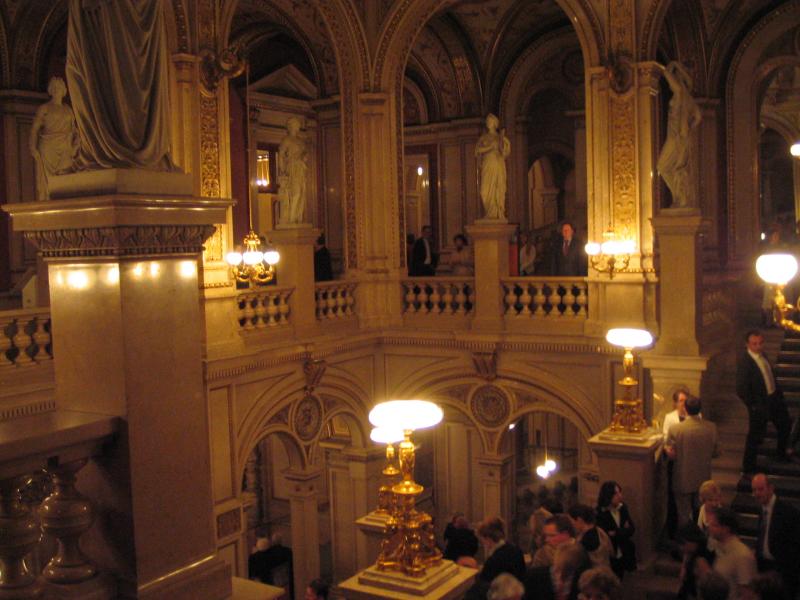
(409, 544)
(388, 436)
(612, 255)
(777, 270)
(628, 411)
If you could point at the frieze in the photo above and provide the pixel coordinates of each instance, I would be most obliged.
(490, 406)
(139, 240)
(209, 147)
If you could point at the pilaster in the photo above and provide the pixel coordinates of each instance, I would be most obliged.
(304, 488)
(497, 482)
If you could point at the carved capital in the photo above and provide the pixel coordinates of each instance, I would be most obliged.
(485, 364)
(129, 240)
(214, 66)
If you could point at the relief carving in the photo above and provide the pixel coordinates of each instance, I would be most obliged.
(485, 364)
(308, 418)
(490, 406)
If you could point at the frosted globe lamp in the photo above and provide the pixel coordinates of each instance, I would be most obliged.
(272, 257)
(386, 435)
(233, 258)
(252, 257)
(406, 414)
(629, 337)
(794, 149)
(542, 472)
(592, 248)
(550, 464)
(776, 269)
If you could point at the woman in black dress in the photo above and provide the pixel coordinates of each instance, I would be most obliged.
(614, 518)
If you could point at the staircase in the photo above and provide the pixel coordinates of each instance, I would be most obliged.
(725, 408)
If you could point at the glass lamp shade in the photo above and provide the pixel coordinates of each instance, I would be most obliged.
(592, 248)
(776, 269)
(542, 472)
(386, 435)
(629, 338)
(550, 464)
(233, 258)
(252, 257)
(272, 257)
(794, 149)
(406, 414)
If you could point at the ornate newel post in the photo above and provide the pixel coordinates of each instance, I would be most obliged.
(66, 515)
(296, 270)
(19, 534)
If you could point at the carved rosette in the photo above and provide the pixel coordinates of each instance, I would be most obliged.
(129, 240)
(307, 418)
(490, 406)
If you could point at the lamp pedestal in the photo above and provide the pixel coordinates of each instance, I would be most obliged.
(446, 581)
(629, 459)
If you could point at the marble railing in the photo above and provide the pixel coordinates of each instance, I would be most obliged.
(41, 456)
(335, 299)
(263, 308)
(438, 296)
(25, 337)
(545, 297)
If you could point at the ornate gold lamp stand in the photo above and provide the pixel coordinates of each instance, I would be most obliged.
(628, 411)
(388, 436)
(777, 269)
(409, 545)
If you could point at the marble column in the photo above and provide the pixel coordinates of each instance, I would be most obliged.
(490, 239)
(304, 487)
(122, 247)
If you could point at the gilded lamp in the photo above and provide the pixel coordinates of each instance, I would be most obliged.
(628, 410)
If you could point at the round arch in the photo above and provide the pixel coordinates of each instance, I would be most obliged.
(742, 93)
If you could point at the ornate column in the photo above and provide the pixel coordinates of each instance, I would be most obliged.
(125, 307)
(375, 233)
(303, 492)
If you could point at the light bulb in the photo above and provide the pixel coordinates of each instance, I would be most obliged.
(252, 257)
(233, 258)
(777, 269)
(794, 150)
(272, 257)
(629, 337)
(542, 472)
(592, 248)
(550, 465)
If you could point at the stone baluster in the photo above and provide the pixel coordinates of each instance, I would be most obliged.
(333, 294)
(22, 340)
(248, 312)
(554, 299)
(283, 307)
(321, 303)
(423, 297)
(42, 338)
(261, 312)
(66, 515)
(5, 344)
(461, 299)
(19, 535)
(272, 310)
(580, 300)
(510, 299)
(525, 300)
(351, 299)
(447, 298)
(539, 300)
(435, 298)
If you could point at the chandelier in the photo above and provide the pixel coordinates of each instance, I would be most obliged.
(610, 256)
(252, 265)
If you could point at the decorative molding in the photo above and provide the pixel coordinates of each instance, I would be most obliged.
(216, 66)
(308, 418)
(490, 406)
(209, 147)
(485, 364)
(280, 417)
(180, 23)
(139, 240)
(229, 523)
(623, 163)
(313, 369)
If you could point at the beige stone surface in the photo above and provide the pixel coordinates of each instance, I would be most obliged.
(120, 181)
(447, 581)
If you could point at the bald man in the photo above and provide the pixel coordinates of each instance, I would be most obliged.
(778, 542)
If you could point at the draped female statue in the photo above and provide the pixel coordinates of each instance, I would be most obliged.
(675, 161)
(292, 174)
(53, 139)
(492, 148)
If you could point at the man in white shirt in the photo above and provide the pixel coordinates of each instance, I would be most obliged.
(758, 389)
(735, 562)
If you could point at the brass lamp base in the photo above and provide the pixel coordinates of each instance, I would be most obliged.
(628, 417)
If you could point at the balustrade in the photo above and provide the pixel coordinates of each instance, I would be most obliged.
(545, 297)
(438, 296)
(25, 337)
(335, 300)
(263, 308)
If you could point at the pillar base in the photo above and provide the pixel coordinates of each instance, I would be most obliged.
(100, 587)
(444, 582)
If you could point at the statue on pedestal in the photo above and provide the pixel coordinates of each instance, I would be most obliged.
(492, 148)
(53, 139)
(675, 161)
(292, 174)
(120, 97)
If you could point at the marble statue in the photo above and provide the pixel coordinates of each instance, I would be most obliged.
(675, 161)
(492, 149)
(120, 97)
(292, 174)
(53, 138)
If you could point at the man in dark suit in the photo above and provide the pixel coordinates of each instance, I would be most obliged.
(759, 390)
(691, 443)
(423, 258)
(778, 542)
(568, 257)
(560, 580)
(501, 556)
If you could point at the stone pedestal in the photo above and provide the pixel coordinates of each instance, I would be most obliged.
(630, 461)
(296, 269)
(125, 310)
(446, 581)
(490, 239)
(678, 232)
